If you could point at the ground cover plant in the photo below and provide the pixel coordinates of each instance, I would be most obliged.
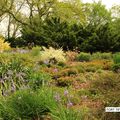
(58, 89)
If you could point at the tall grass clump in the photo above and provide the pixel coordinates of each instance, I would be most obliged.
(116, 60)
(28, 105)
(63, 113)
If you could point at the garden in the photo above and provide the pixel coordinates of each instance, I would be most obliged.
(51, 84)
(59, 60)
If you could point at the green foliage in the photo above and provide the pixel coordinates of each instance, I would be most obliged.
(13, 76)
(116, 67)
(26, 104)
(99, 55)
(38, 80)
(35, 51)
(80, 68)
(106, 56)
(62, 64)
(91, 68)
(69, 114)
(84, 57)
(64, 81)
(72, 72)
(116, 58)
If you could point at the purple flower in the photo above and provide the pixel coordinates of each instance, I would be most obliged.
(69, 104)
(55, 70)
(57, 97)
(66, 92)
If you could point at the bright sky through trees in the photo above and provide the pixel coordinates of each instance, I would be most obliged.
(108, 3)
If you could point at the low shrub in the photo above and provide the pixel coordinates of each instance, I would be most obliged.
(107, 56)
(116, 58)
(116, 67)
(62, 64)
(83, 57)
(72, 72)
(52, 53)
(71, 56)
(64, 81)
(98, 56)
(100, 64)
(106, 82)
(68, 72)
(80, 68)
(90, 68)
(35, 51)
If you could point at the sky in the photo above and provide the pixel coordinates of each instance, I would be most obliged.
(108, 3)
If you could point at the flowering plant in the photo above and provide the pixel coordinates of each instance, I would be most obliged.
(3, 45)
(51, 53)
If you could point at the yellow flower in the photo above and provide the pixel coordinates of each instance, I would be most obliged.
(3, 45)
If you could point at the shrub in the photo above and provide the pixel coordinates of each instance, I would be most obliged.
(68, 72)
(116, 67)
(35, 51)
(106, 82)
(116, 58)
(91, 68)
(71, 55)
(84, 57)
(72, 71)
(106, 55)
(96, 55)
(99, 55)
(64, 81)
(52, 53)
(80, 68)
(3, 45)
(62, 64)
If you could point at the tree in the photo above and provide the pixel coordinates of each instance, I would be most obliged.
(69, 10)
(97, 13)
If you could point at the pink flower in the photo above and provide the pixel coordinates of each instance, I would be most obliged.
(69, 104)
(57, 97)
(55, 70)
(66, 92)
